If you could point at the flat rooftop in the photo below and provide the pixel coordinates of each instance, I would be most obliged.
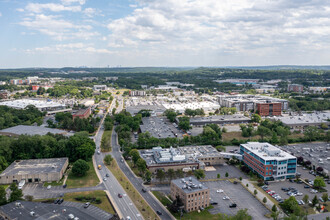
(40, 104)
(21, 210)
(34, 166)
(32, 130)
(267, 151)
(189, 185)
(156, 109)
(305, 119)
(219, 118)
(187, 154)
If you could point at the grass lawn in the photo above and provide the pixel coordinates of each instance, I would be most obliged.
(90, 179)
(55, 183)
(200, 215)
(104, 205)
(106, 141)
(160, 196)
(139, 202)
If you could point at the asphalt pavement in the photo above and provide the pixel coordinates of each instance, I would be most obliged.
(136, 181)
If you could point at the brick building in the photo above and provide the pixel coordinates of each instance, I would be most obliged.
(269, 109)
(295, 88)
(82, 113)
(3, 95)
(194, 195)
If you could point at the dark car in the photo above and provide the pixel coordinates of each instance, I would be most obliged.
(60, 202)
(159, 212)
(120, 195)
(144, 190)
(107, 175)
(306, 186)
(213, 203)
(266, 182)
(291, 180)
(64, 186)
(300, 182)
(235, 182)
(233, 205)
(329, 182)
(56, 201)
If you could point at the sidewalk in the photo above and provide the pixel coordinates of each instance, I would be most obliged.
(260, 195)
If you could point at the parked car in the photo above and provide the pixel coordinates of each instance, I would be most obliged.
(307, 186)
(120, 195)
(219, 191)
(107, 175)
(213, 203)
(87, 204)
(233, 205)
(159, 212)
(60, 202)
(56, 201)
(144, 190)
(225, 198)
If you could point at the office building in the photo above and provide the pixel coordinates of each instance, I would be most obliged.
(269, 109)
(194, 195)
(295, 88)
(35, 170)
(268, 161)
(82, 113)
(99, 87)
(20, 81)
(220, 119)
(137, 93)
(184, 158)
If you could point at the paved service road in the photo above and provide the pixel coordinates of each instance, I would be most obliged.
(137, 182)
(124, 204)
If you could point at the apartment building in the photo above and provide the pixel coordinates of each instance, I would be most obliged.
(268, 161)
(269, 109)
(137, 93)
(194, 195)
(295, 88)
(82, 113)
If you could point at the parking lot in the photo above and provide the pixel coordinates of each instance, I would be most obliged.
(317, 153)
(300, 190)
(237, 194)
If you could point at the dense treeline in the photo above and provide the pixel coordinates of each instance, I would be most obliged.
(78, 146)
(64, 120)
(10, 117)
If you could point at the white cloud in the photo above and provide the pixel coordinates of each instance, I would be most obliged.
(68, 48)
(90, 12)
(68, 2)
(240, 28)
(38, 8)
(57, 28)
(20, 10)
(0, 14)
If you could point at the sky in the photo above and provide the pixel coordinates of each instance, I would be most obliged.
(128, 33)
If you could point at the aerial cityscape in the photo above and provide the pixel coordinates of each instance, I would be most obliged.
(164, 110)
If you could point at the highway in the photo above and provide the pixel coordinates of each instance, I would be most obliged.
(137, 182)
(124, 204)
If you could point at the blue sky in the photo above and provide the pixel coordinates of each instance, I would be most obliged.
(98, 33)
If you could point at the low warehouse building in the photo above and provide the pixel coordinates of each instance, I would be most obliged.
(35, 170)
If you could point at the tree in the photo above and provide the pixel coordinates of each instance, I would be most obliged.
(274, 139)
(315, 201)
(16, 194)
(147, 176)
(256, 118)
(160, 175)
(108, 159)
(319, 169)
(218, 175)
(242, 214)
(184, 123)
(80, 168)
(176, 204)
(141, 165)
(312, 133)
(134, 153)
(170, 114)
(3, 198)
(308, 163)
(199, 174)
(226, 174)
(275, 215)
(319, 182)
(290, 204)
(300, 160)
(325, 197)
(283, 141)
(29, 198)
(171, 173)
(305, 198)
(264, 200)
(263, 131)
(274, 208)
(255, 192)
(179, 173)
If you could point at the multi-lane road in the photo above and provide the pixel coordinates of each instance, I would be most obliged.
(125, 205)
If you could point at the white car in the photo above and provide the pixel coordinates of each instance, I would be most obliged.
(219, 191)
(225, 198)
(49, 186)
(299, 194)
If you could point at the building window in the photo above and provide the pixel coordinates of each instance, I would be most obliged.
(266, 173)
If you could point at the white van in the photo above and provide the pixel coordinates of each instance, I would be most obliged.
(21, 184)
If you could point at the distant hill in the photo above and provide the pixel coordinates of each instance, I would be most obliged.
(282, 67)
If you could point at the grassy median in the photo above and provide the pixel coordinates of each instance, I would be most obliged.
(135, 196)
(104, 205)
(106, 141)
(90, 179)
